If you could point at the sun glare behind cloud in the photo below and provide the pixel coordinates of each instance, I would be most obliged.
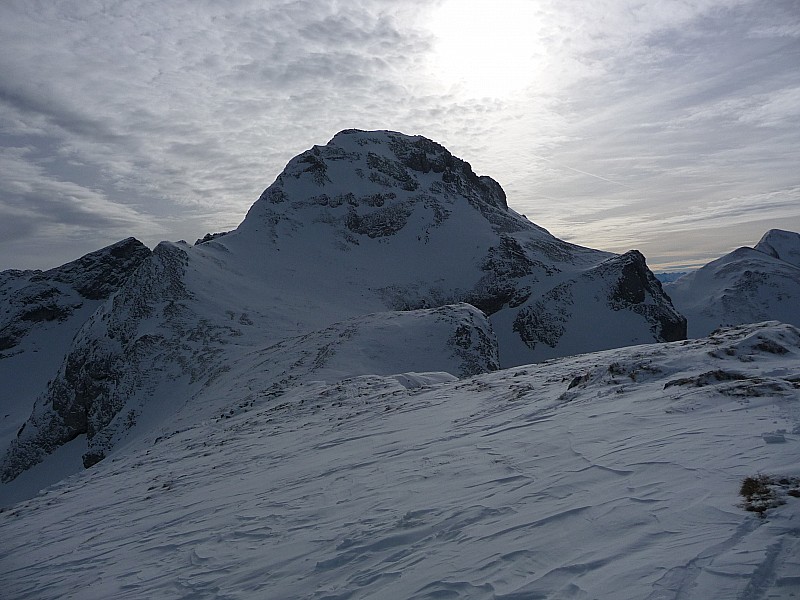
(486, 48)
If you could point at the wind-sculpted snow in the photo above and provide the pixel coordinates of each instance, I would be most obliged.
(607, 475)
(746, 286)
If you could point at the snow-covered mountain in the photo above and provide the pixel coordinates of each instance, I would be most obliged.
(615, 474)
(330, 402)
(783, 245)
(746, 286)
(373, 223)
(40, 312)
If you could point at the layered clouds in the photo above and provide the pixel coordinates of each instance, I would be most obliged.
(614, 124)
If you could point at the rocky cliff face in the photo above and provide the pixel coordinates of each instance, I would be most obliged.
(621, 284)
(371, 235)
(40, 313)
(30, 298)
(748, 285)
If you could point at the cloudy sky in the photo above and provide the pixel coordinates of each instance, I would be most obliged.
(670, 126)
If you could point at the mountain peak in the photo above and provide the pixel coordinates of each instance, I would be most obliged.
(417, 155)
(97, 274)
(380, 176)
(33, 298)
(780, 244)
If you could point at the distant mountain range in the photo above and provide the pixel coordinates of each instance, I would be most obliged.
(670, 276)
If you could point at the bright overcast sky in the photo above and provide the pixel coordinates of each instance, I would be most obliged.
(669, 126)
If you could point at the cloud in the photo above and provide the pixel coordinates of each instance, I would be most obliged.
(169, 119)
(32, 196)
(692, 119)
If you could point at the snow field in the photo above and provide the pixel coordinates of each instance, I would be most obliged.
(585, 477)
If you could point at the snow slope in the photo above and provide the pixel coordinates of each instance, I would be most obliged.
(605, 475)
(371, 223)
(746, 286)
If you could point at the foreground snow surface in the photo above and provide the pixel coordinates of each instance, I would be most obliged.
(608, 475)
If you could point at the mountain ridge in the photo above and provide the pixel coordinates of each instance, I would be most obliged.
(43, 310)
(781, 244)
(386, 383)
(370, 223)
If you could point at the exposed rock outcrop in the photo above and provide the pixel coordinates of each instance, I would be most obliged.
(34, 297)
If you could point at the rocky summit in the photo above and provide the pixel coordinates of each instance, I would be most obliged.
(403, 220)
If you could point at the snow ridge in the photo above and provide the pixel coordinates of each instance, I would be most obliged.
(780, 244)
